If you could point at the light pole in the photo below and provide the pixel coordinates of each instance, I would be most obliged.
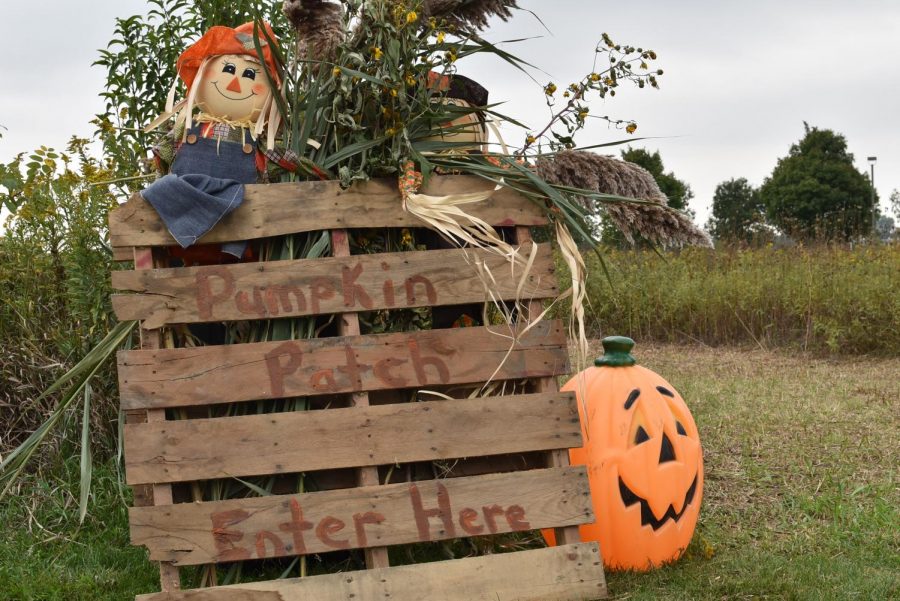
(872, 182)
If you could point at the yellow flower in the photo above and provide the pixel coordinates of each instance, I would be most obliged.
(410, 80)
(394, 92)
(566, 94)
(412, 17)
(336, 71)
(550, 89)
(583, 115)
(595, 77)
(377, 53)
(529, 139)
(440, 37)
(631, 128)
(389, 132)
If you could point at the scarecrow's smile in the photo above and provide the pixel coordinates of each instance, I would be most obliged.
(647, 517)
(229, 97)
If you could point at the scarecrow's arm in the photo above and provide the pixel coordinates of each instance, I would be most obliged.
(165, 148)
(281, 160)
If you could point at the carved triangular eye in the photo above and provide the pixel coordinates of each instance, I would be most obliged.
(641, 435)
(680, 429)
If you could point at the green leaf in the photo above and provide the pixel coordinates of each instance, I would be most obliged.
(86, 464)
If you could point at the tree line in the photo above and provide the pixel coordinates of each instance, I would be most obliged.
(813, 193)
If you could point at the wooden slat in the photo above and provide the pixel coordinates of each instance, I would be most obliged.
(153, 494)
(123, 254)
(376, 557)
(318, 522)
(274, 443)
(239, 372)
(556, 457)
(280, 209)
(568, 573)
(327, 285)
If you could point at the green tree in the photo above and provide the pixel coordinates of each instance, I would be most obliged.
(816, 192)
(737, 212)
(678, 192)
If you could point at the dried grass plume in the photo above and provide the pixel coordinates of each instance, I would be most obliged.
(655, 222)
(469, 14)
(319, 25)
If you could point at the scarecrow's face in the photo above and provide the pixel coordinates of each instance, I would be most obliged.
(233, 87)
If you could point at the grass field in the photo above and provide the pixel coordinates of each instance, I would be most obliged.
(802, 496)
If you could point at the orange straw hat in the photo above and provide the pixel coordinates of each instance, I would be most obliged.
(221, 40)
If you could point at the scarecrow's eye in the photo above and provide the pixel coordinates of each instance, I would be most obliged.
(640, 436)
(680, 429)
(229, 68)
(249, 74)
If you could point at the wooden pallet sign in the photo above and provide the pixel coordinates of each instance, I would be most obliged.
(367, 441)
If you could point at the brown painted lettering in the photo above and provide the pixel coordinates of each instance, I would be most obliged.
(278, 298)
(383, 372)
(490, 512)
(352, 369)
(320, 289)
(323, 380)
(206, 297)
(257, 307)
(279, 369)
(467, 519)
(388, 290)
(422, 515)
(353, 292)
(419, 364)
(359, 523)
(277, 546)
(430, 292)
(328, 526)
(515, 517)
(296, 527)
(225, 539)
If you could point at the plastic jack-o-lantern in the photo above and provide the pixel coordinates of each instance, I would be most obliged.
(644, 461)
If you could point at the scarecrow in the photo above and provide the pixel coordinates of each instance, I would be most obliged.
(207, 158)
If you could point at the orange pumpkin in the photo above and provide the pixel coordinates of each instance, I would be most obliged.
(644, 461)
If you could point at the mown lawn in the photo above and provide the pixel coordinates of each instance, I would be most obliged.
(802, 496)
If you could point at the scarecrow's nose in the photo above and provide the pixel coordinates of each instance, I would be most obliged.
(234, 86)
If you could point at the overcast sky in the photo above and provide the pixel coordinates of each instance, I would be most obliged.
(740, 77)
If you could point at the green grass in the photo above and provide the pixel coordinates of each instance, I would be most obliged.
(45, 556)
(802, 499)
(801, 459)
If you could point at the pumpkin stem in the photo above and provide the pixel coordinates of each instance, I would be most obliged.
(616, 352)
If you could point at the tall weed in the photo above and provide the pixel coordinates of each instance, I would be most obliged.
(820, 298)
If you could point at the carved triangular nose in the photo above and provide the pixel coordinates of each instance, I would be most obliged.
(234, 86)
(666, 451)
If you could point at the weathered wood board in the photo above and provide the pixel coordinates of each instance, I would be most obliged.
(277, 210)
(277, 443)
(326, 285)
(243, 372)
(567, 573)
(283, 525)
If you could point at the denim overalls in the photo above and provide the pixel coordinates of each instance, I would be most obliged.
(206, 183)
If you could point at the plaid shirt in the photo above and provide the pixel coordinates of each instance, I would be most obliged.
(269, 163)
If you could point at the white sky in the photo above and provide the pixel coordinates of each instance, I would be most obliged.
(740, 76)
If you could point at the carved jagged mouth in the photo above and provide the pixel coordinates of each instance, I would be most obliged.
(647, 517)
